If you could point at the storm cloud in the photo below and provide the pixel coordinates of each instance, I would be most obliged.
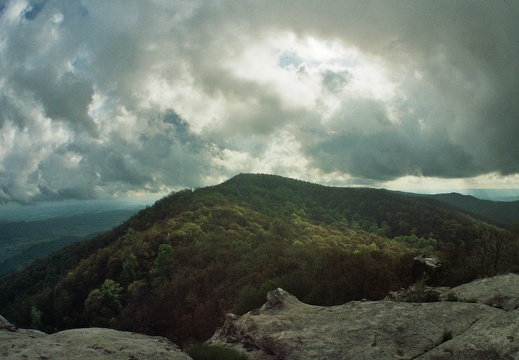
(111, 98)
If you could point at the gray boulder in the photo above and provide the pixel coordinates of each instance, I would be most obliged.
(6, 325)
(428, 266)
(285, 328)
(91, 343)
(500, 291)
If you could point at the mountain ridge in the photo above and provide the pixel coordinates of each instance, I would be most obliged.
(176, 268)
(503, 213)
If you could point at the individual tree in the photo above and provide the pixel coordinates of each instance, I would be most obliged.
(131, 270)
(163, 264)
(36, 318)
(104, 304)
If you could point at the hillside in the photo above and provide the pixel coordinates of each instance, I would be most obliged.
(176, 268)
(498, 212)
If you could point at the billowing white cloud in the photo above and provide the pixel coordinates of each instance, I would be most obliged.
(118, 97)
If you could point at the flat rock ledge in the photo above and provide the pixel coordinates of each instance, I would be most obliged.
(90, 343)
(481, 321)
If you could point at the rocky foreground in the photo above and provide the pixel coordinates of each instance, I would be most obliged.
(92, 343)
(480, 320)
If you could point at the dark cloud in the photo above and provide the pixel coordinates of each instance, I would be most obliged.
(121, 96)
(31, 11)
(390, 155)
(180, 127)
(64, 97)
(455, 64)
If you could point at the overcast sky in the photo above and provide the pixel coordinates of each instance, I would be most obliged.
(109, 98)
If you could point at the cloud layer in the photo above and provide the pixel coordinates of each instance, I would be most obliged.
(109, 98)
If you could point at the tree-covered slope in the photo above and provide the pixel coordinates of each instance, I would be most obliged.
(176, 268)
(504, 213)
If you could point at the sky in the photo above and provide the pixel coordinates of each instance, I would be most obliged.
(135, 99)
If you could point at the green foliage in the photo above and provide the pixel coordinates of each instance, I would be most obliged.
(179, 266)
(131, 270)
(103, 304)
(427, 245)
(501, 213)
(130, 235)
(213, 352)
(248, 299)
(163, 265)
(251, 298)
(36, 316)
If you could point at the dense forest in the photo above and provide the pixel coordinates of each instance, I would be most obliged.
(176, 268)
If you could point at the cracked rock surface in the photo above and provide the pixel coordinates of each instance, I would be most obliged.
(92, 343)
(492, 337)
(285, 328)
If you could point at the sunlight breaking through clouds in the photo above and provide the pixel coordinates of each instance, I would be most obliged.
(101, 98)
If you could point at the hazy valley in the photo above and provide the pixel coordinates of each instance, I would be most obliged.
(22, 241)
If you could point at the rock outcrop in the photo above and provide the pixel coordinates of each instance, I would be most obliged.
(482, 324)
(428, 266)
(91, 343)
(6, 325)
(500, 291)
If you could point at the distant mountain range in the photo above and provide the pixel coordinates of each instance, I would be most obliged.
(22, 242)
(49, 210)
(498, 212)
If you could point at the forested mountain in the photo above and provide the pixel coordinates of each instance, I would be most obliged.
(505, 213)
(176, 268)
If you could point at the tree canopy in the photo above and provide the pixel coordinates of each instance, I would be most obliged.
(176, 268)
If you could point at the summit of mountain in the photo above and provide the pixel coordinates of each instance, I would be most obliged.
(176, 268)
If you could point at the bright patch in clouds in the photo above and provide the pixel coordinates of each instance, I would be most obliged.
(428, 185)
(310, 72)
(128, 98)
